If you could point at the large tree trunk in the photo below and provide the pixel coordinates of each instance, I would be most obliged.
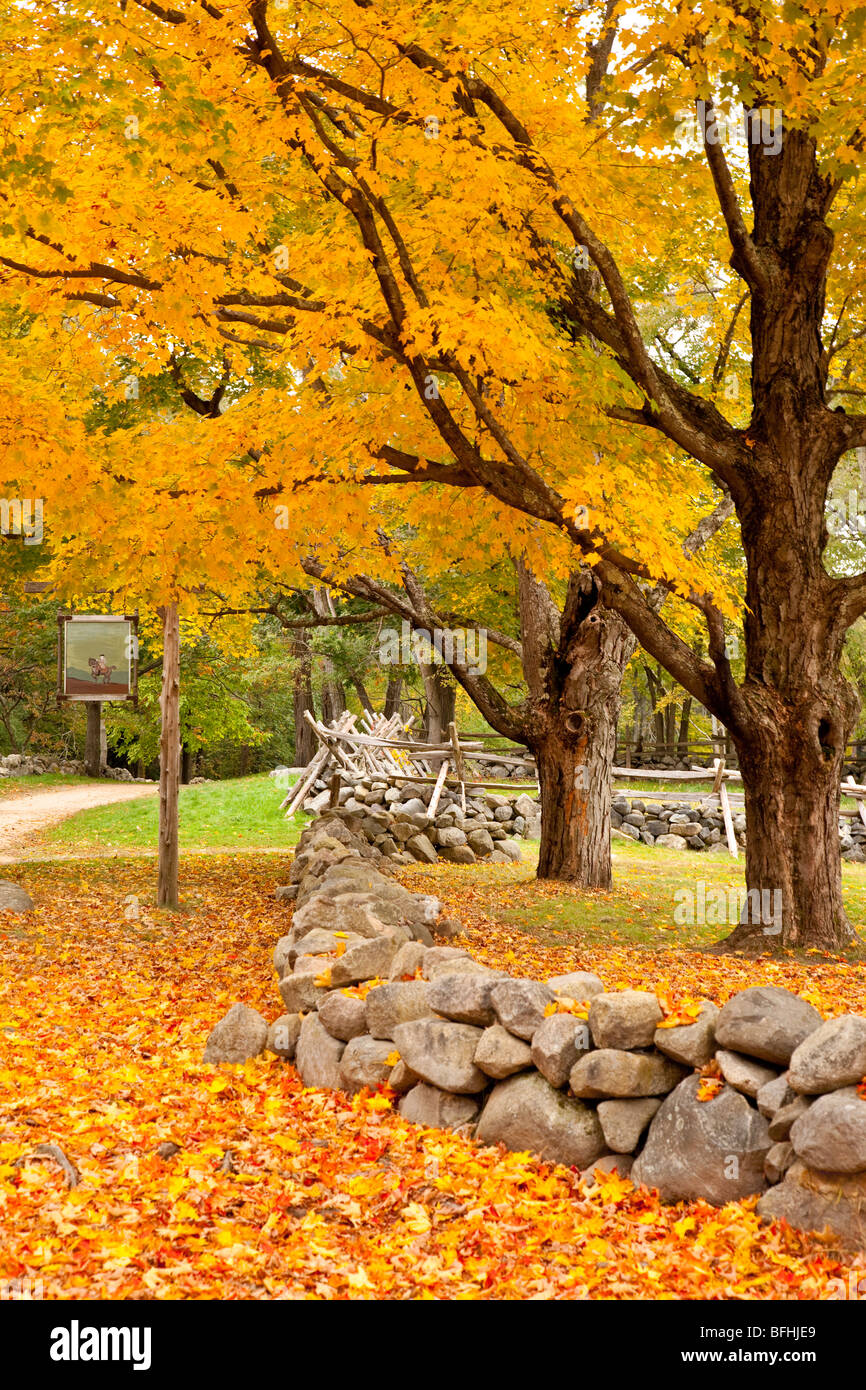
(795, 711)
(574, 665)
(440, 701)
(798, 712)
(574, 777)
(791, 771)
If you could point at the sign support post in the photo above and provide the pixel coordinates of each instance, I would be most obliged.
(169, 758)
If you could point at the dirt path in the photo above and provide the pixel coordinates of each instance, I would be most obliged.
(24, 817)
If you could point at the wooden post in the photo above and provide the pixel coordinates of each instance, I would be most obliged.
(458, 762)
(93, 739)
(335, 784)
(169, 758)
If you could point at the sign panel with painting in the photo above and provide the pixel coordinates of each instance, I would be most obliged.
(97, 657)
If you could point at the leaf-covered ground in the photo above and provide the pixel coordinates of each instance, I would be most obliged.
(102, 1025)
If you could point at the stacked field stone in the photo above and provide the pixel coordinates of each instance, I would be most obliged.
(698, 825)
(760, 1096)
(396, 820)
(687, 825)
(27, 765)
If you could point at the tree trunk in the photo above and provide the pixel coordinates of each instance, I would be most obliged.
(791, 769)
(363, 695)
(574, 777)
(169, 759)
(306, 742)
(93, 759)
(574, 676)
(441, 701)
(683, 737)
(392, 695)
(333, 694)
(795, 711)
(185, 765)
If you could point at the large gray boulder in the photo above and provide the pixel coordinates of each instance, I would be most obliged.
(500, 1054)
(444, 960)
(420, 847)
(13, 897)
(441, 1053)
(401, 1001)
(578, 984)
(343, 1016)
(481, 842)
(367, 960)
(450, 836)
(283, 1036)
(766, 1021)
(744, 1073)
(832, 1134)
(463, 997)
(612, 1072)
(365, 1063)
(435, 1109)
(624, 1121)
(301, 993)
(526, 1112)
(317, 1055)
(520, 1005)
(557, 1043)
(712, 1150)
(831, 1057)
(626, 1019)
(242, 1033)
(816, 1201)
(408, 959)
(690, 1043)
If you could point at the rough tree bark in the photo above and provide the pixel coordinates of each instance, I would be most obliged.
(573, 664)
(440, 701)
(392, 695)
(305, 740)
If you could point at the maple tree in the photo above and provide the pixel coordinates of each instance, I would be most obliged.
(472, 286)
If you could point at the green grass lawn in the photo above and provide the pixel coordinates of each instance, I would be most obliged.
(240, 814)
(10, 786)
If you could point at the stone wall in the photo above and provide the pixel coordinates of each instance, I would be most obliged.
(759, 1097)
(27, 765)
(396, 820)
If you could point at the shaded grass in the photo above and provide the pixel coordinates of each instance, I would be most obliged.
(642, 908)
(240, 814)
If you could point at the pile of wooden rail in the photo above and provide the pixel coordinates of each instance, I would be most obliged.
(382, 749)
